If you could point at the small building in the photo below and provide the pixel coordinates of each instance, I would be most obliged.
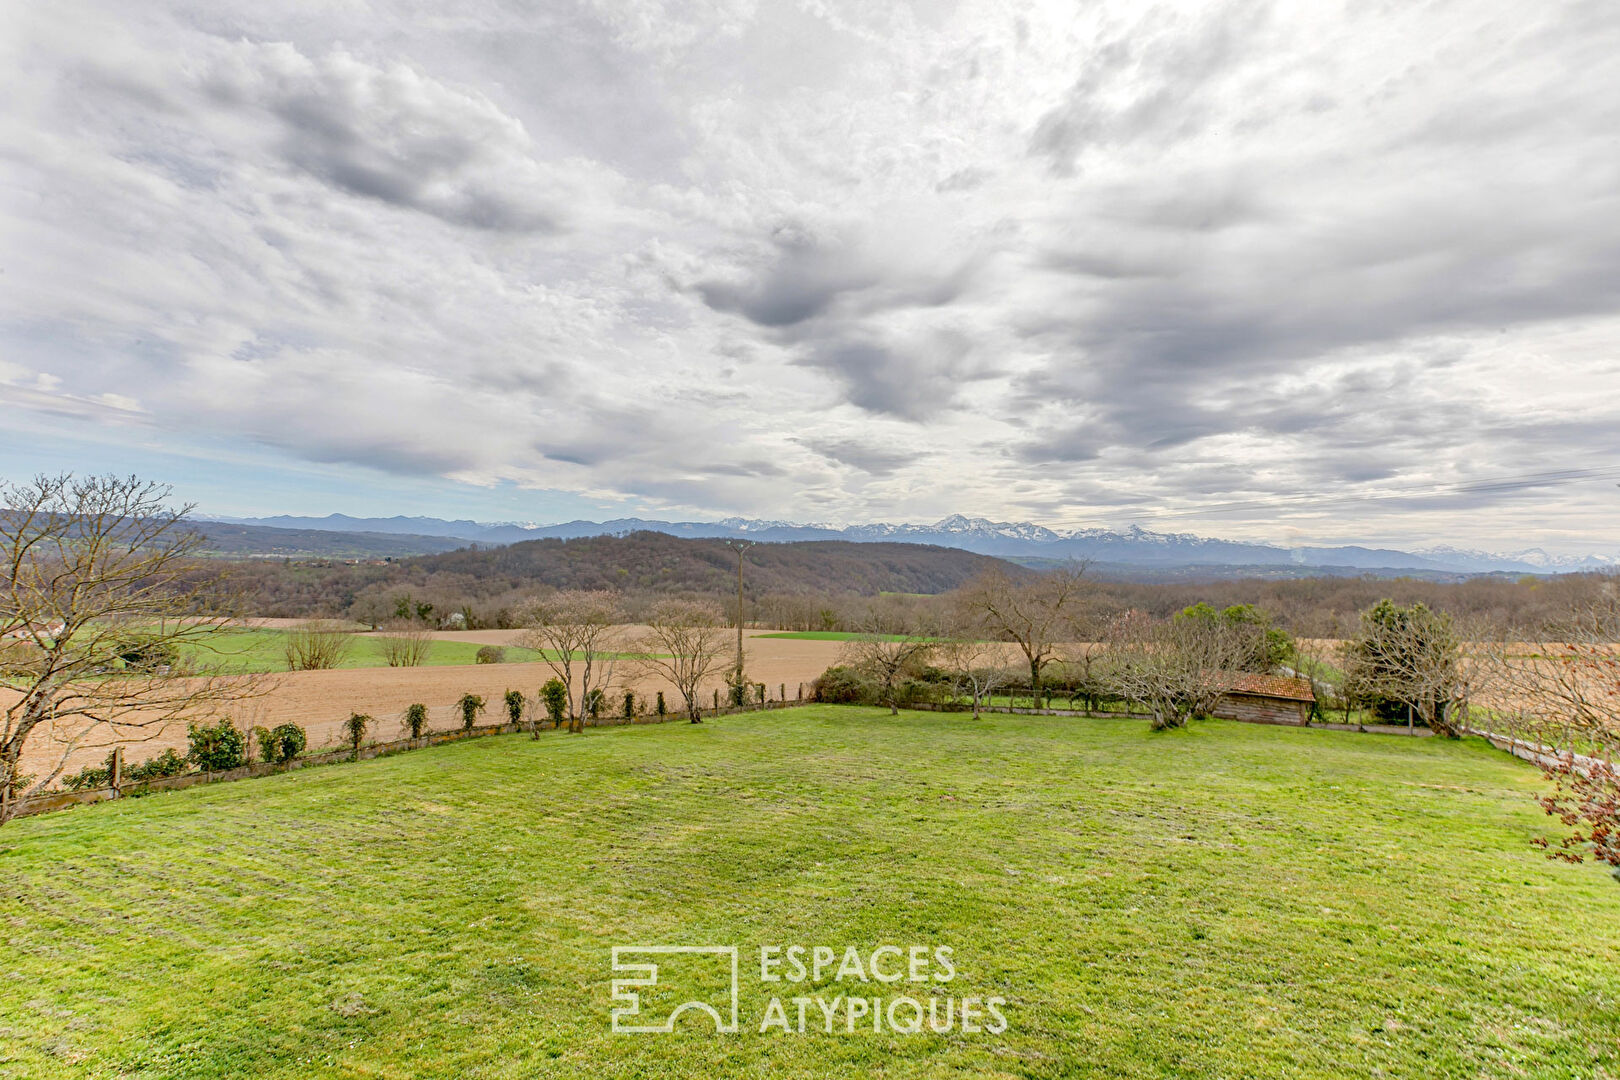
(1268, 699)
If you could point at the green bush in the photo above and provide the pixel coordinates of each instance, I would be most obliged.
(555, 696)
(514, 706)
(416, 720)
(165, 764)
(355, 728)
(490, 654)
(281, 744)
(841, 685)
(217, 747)
(629, 704)
(661, 708)
(470, 705)
(87, 778)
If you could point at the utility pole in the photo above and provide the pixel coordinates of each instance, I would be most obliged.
(739, 546)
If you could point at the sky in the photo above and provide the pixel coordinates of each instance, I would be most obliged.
(1302, 273)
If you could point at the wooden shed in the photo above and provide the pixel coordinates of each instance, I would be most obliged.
(1267, 699)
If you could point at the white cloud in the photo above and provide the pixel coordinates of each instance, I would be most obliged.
(837, 260)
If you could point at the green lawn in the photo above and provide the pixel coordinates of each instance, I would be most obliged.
(1224, 901)
(262, 650)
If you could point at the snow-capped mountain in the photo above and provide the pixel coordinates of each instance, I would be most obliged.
(1132, 546)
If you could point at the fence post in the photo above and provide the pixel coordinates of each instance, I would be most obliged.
(801, 691)
(116, 780)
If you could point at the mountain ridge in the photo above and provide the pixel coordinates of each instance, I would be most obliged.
(1133, 545)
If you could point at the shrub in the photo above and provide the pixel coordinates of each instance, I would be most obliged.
(629, 704)
(416, 720)
(490, 654)
(555, 696)
(148, 655)
(167, 763)
(470, 705)
(281, 744)
(355, 728)
(594, 703)
(514, 706)
(89, 777)
(737, 693)
(840, 685)
(216, 748)
(662, 709)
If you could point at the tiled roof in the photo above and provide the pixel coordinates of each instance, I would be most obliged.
(1276, 686)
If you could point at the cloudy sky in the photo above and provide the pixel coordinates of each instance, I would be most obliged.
(1295, 272)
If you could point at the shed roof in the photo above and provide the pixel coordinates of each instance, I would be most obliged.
(1274, 686)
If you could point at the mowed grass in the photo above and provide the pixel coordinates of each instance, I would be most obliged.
(241, 651)
(1224, 901)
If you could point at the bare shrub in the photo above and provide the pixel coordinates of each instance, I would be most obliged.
(406, 644)
(317, 645)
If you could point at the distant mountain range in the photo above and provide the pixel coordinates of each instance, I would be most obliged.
(1132, 547)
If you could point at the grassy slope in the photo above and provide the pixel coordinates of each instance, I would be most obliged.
(1225, 901)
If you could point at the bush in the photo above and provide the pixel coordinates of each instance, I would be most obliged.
(661, 708)
(216, 748)
(840, 685)
(89, 777)
(470, 705)
(514, 706)
(165, 764)
(355, 728)
(594, 702)
(281, 744)
(629, 704)
(416, 720)
(490, 654)
(555, 696)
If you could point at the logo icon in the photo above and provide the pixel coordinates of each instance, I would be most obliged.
(710, 970)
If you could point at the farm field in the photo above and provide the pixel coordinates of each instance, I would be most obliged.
(320, 701)
(262, 650)
(1228, 900)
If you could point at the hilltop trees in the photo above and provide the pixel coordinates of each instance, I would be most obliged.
(107, 613)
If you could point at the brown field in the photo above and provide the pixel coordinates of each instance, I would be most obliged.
(320, 701)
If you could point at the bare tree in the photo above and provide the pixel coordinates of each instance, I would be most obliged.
(406, 644)
(887, 648)
(1037, 615)
(685, 642)
(317, 645)
(974, 663)
(1177, 668)
(1559, 692)
(575, 632)
(113, 621)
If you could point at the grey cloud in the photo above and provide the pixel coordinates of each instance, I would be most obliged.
(391, 134)
(869, 458)
(1151, 84)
